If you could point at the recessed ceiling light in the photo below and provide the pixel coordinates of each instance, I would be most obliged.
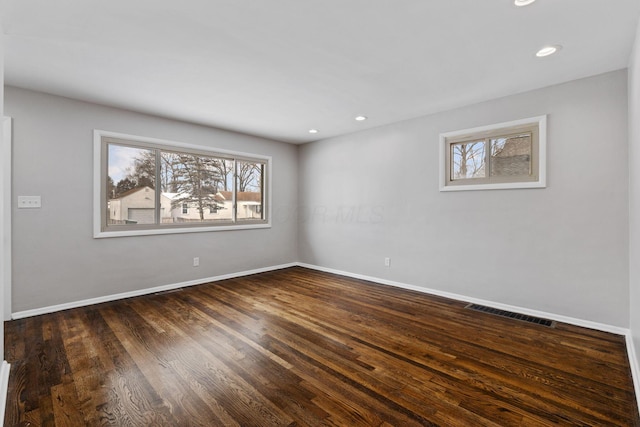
(361, 118)
(523, 2)
(548, 50)
(313, 130)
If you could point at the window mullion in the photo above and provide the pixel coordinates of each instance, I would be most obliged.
(487, 161)
(234, 195)
(158, 187)
(262, 190)
(105, 208)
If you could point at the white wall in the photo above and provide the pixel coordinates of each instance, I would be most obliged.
(634, 193)
(55, 258)
(4, 245)
(562, 250)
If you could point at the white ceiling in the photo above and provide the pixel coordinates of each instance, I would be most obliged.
(278, 68)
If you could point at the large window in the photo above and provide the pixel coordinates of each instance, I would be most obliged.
(506, 155)
(149, 186)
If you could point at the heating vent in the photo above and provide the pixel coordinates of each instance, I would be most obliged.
(512, 315)
(170, 291)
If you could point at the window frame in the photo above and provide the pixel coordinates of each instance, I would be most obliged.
(102, 138)
(538, 156)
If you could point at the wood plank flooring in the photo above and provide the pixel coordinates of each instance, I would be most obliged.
(298, 347)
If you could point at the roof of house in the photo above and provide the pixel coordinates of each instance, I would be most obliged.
(130, 192)
(243, 196)
(177, 196)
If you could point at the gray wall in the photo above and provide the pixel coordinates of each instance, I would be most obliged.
(55, 258)
(634, 193)
(562, 250)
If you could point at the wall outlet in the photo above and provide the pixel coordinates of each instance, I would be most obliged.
(29, 202)
(196, 261)
(387, 262)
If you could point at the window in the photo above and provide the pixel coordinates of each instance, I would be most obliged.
(506, 155)
(148, 186)
(249, 187)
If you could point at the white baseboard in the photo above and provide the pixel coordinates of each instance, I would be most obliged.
(4, 386)
(114, 297)
(633, 363)
(552, 316)
(523, 310)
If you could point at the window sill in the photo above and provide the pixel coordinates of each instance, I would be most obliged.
(502, 186)
(176, 230)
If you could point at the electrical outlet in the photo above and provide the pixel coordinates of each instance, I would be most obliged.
(387, 262)
(196, 261)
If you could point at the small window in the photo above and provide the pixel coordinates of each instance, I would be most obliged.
(506, 155)
(148, 186)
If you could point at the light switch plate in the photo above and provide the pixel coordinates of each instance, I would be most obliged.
(29, 202)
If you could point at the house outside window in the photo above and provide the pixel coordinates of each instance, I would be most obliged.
(199, 189)
(501, 156)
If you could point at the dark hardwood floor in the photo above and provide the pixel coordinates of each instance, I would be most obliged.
(298, 347)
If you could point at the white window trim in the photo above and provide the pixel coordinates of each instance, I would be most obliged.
(541, 121)
(98, 233)
(5, 217)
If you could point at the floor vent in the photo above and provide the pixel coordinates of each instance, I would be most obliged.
(170, 291)
(512, 315)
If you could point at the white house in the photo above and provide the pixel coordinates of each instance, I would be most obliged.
(137, 206)
(249, 207)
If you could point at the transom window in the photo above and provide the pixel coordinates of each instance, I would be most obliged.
(149, 186)
(506, 155)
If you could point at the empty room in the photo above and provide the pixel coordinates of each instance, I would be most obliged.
(320, 213)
